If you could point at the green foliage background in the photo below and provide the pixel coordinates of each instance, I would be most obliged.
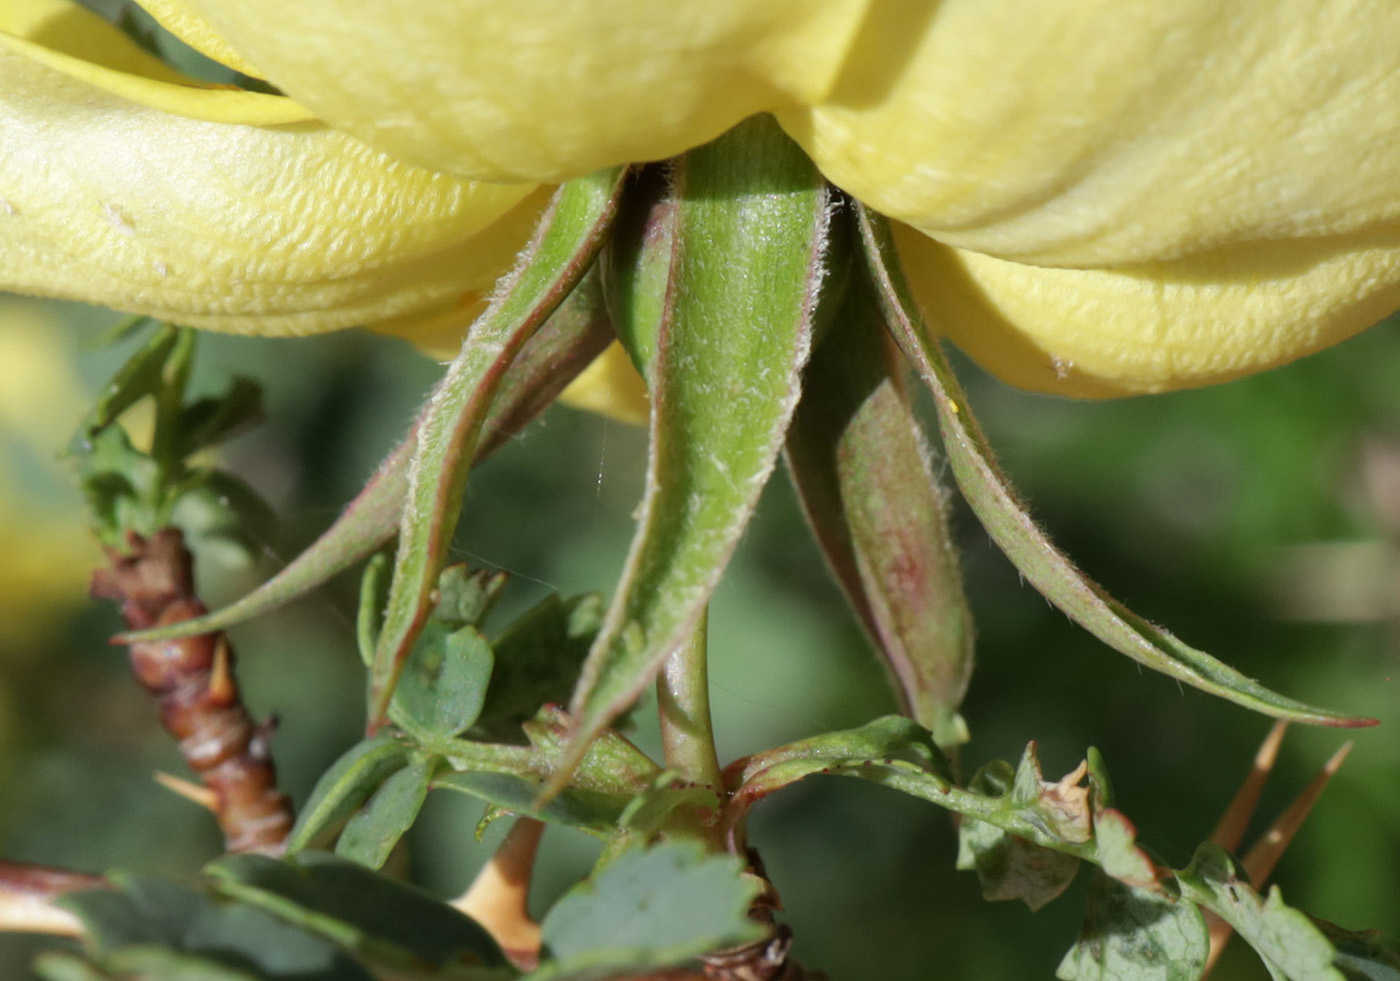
(1189, 507)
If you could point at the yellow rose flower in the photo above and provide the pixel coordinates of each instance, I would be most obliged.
(1097, 196)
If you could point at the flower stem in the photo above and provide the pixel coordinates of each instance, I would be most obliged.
(683, 701)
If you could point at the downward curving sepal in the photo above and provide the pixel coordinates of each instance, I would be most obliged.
(563, 249)
(746, 236)
(864, 475)
(569, 340)
(1016, 534)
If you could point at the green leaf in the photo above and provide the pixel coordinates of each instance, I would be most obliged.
(1288, 942)
(56, 966)
(1010, 526)
(140, 376)
(564, 246)
(119, 483)
(392, 923)
(443, 684)
(346, 785)
(1012, 868)
(147, 922)
(207, 422)
(1133, 935)
(537, 659)
(898, 753)
(158, 964)
(371, 834)
(750, 238)
(864, 474)
(466, 596)
(650, 909)
(121, 330)
(366, 524)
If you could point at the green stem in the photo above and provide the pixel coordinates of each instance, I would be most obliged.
(170, 400)
(683, 702)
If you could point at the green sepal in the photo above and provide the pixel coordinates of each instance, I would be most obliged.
(865, 477)
(564, 246)
(1016, 534)
(745, 270)
(571, 338)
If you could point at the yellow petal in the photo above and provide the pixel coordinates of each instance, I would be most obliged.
(536, 89)
(611, 386)
(186, 24)
(1153, 327)
(215, 208)
(1106, 132)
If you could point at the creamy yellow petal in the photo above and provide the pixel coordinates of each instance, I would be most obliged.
(536, 89)
(1104, 132)
(186, 24)
(77, 43)
(1150, 328)
(216, 217)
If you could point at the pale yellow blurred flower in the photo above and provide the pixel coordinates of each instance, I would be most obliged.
(48, 553)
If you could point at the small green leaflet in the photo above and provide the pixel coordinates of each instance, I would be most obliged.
(1133, 935)
(649, 909)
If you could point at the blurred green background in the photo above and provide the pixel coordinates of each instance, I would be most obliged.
(1258, 520)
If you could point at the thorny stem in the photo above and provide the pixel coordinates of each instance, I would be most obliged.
(192, 679)
(683, 702)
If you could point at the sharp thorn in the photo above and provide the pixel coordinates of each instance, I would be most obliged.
(1230, 831)
(1258, 863)
(222, 688)
(201, 795)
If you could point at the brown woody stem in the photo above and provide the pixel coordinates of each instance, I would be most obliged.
(192, 680)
